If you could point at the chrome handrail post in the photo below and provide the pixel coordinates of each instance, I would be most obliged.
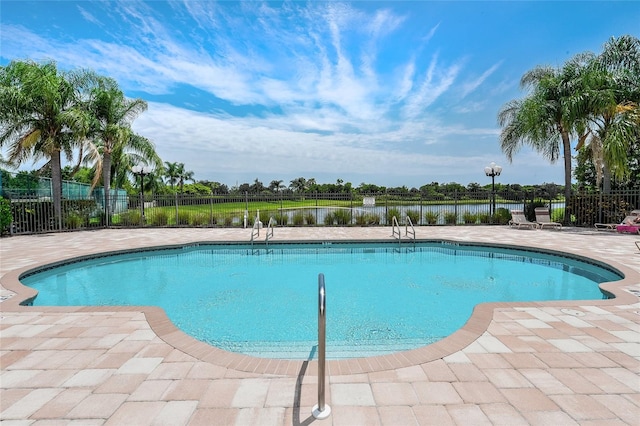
(321, 410)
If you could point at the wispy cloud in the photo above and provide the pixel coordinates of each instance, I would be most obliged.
(315, 86)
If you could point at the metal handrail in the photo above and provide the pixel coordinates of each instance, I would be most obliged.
(395, 229)
(408, 224)
(321, 410)
(272, 222)
(255, 230)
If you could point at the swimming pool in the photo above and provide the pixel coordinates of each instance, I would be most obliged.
(380, 298)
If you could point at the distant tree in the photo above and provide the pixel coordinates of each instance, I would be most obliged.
(257, 187)
(276, 185)
(298, 184)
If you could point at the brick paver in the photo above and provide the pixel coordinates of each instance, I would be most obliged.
(531, 363)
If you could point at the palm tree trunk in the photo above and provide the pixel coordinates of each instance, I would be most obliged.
(566, 146)
(106, 182)
(56, 188)
(606, 180)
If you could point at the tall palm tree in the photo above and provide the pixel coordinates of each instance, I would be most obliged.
(42, 116)
(112, 115)
(172, 172)
(547, 118)
(184, 175)
(611, 95)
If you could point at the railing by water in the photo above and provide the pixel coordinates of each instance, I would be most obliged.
(321, 410)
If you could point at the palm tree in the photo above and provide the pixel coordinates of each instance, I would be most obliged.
(611, 95)
(42, 116)
(547, 118)
(183, 176)
(112, 115)
(298, 184)
(276, 185)
(172, 172)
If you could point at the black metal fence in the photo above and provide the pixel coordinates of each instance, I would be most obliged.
(35, 215)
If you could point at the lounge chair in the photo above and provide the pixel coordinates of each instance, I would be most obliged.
(544, 219)
(518, 219)
(638, 244)
(630, 223)
(613, 226)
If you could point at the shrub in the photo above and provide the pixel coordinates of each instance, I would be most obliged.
(342, 216)
(200, 219)
(310, 218)
(365, 219)
(298, 219)
(530, 209)
(557, 215)
(264, 217)
(74, 221)
(131, 217)
(329, 219)
(228, 221)
(414, 215)
(484, 217)
(502, 216)
(391, 213)
(469, 217)
(183, 218)
(281, 218)
(5, 216)
(431, 217)
(450, 218)
(160, 218)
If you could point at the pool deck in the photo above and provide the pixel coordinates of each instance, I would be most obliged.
(554, 363)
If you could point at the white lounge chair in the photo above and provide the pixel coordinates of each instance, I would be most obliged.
(518, 219)
(544, 219)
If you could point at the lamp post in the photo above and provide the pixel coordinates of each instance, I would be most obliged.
(493, 170)
(141, 171)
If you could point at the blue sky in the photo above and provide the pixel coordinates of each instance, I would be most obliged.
(390, 93)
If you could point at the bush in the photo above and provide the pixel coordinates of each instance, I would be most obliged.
(414, 215)
(502, 216)
(530, 209)
(74, 221)
(129, 218)
(5, 216)
(183, 218)
(469, 217)
(329, 219)
(391, 213)
(160, 218)
(310, 218)
(431, 217)
(200, 219)
(557, 215)
(298, 219)
(281, 218)
(365, 219)
(228, 221)
(484, 217)
(342, 216)
(450, 218)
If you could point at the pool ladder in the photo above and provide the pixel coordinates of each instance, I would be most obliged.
(255, 232)
(409, 230)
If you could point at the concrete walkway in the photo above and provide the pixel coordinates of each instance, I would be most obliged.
(554, 363)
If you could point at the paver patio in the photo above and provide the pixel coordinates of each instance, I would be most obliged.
(553, 363)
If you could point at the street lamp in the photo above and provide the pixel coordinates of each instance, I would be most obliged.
(493, 170)
(141, 171)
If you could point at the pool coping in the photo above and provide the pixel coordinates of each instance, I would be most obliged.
(476, 325)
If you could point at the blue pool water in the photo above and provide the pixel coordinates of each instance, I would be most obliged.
(379, 299)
